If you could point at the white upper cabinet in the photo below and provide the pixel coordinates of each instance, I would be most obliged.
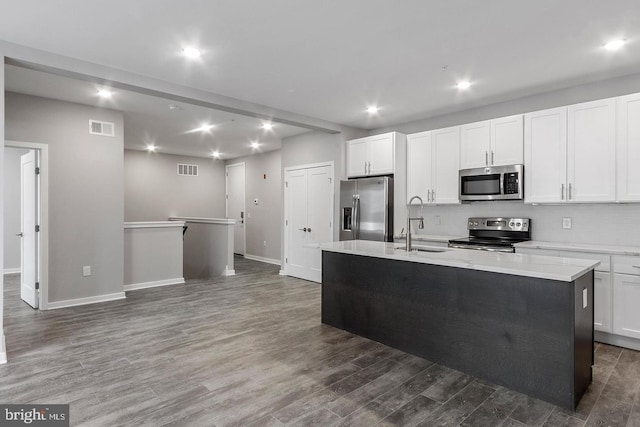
(494, 142)
(507, 141)
(475, 142)
(432, 166)
(419, 165)
(569, 154)
(373, 155)
(545, 156)
(628, 148)
(591, 148)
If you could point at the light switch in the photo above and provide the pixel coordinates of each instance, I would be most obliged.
(566, 223)
(86, 270)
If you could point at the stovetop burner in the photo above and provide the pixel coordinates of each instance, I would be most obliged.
(494, 234)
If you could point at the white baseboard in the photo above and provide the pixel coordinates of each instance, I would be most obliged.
(263, 259)
(3, 352)
(228, 272)
(617, 340)
(12, 270)
(83, 301)
(154, 284)
(282, 273)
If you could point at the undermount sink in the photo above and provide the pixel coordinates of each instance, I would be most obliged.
(421, 249)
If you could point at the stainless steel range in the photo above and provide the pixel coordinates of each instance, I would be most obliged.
(494, 234)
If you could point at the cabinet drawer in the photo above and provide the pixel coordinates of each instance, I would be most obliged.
(626, 264)
(605, 260)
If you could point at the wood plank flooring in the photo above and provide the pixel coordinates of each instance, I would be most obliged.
(250, 350)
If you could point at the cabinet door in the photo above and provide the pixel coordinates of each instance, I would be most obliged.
(591, 162)
(475, 139)
(626, 300)
(545, 156)
(602, 301)
(628, 148)
(381, 154)
(446, 161)
(419, 165)
(357, 158)
(507, 139)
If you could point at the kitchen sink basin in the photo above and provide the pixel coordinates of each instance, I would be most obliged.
(422, 249)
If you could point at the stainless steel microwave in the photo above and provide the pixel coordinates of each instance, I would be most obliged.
(492, 183)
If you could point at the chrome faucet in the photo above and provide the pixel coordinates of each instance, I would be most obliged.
(409, 219)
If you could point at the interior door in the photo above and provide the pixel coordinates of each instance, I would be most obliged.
(235, 208)
(319, 216)
(28, 222)
(296, 225)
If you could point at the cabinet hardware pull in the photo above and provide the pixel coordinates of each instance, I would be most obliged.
(569, 191)
(562, 192)
(486, 158)
(433, 196)
(491, 157)
(365, 168)
(428, 196)
(369, 168)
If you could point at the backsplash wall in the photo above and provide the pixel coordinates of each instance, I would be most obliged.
(609, 224)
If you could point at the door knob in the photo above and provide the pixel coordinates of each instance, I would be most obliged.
(20, 234)
(309, 229)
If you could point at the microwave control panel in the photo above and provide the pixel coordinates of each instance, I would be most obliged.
(511, 183)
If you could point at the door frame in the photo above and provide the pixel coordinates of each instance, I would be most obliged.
(244, 200)
(286, 199)
(43, 215)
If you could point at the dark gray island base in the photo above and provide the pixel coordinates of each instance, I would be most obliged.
(528, 334)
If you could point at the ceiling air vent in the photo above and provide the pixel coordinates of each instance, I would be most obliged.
(187, 170)
(102, 128)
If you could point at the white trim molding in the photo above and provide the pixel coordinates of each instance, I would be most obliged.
(222, 221)
(88, 300)
(3, 351)
(154, 224)
(263, 259)
(154, 284)
(12, 270)
(228, 272)
(282, 273)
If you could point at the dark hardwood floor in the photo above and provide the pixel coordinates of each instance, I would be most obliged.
(250, 350)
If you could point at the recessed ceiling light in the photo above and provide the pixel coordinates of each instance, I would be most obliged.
(255, 145)
(151, 147)
(267, 126)
(463, 85)
(191, 52)
(104, 93)
(373, 109)
(216, 154)
(615, 44)
(174, 107)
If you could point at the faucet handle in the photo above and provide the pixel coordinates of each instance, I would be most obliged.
(421, 223)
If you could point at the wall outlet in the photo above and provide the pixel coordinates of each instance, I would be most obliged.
(264, 243)
(566, 223)
(86, 271)
(437, 220)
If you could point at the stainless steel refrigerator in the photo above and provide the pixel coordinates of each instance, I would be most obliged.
(366, 209)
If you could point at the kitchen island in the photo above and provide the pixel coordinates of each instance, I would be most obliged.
(521, 321)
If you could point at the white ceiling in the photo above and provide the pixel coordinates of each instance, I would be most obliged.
(329, 59)
(149, 121)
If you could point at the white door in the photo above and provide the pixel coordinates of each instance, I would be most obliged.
(235, 209)
(381, 154)
(446, 163)
(545, 156)
(506, 141)
(308, 219)
(357, 160)
(28, 222)
(475, 140)
(319, 216)
(628, 148)
(419, 166)
(591, 167)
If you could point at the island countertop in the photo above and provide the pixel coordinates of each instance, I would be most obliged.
(539, 266)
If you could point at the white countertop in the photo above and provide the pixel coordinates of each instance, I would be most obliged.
(581, 247)
(543, 267)
(426, 237)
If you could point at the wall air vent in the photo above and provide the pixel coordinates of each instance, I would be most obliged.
(102, 128)
(187, 170)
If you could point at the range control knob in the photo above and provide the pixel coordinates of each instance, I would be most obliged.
(470, 223)
(518, 224)
(475, 223)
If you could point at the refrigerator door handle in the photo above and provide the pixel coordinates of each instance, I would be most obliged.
(356, 214)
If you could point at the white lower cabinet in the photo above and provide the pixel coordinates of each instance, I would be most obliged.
(602, 301)
(626, 295)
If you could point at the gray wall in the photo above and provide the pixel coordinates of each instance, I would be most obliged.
(12, 207)
(154, 191)
(2, 184)
(86, 192)
(263, 220)
(604, 224)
